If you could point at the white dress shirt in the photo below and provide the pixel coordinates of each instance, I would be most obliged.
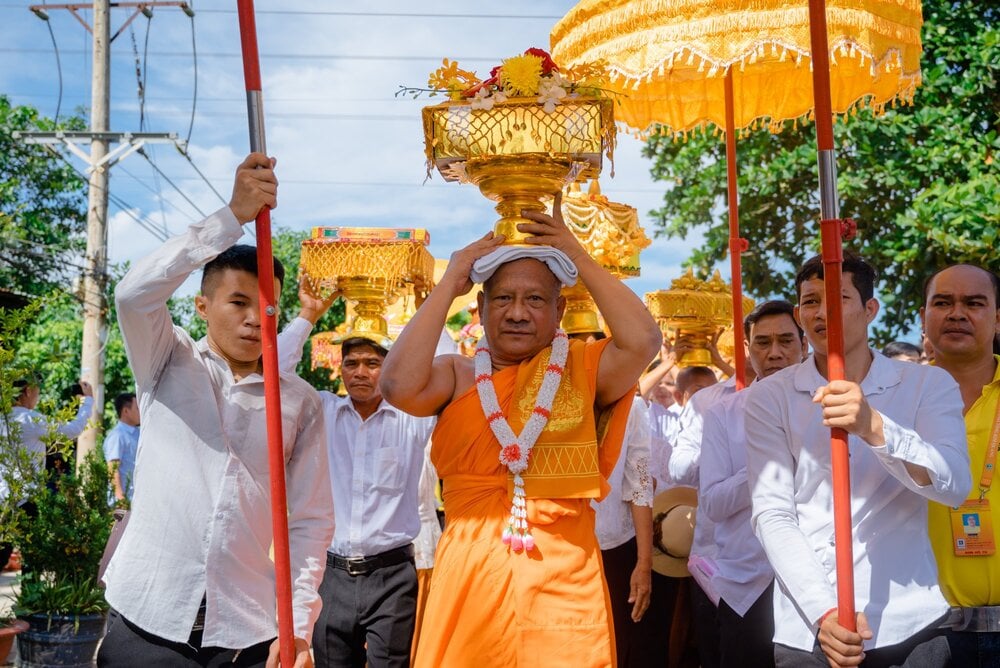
(630, 482)
(425, 544)
(201, 515)
(742, 570)
(682, 467)
(664, 423)
(375, 465)
(32, 427)
(788, 470)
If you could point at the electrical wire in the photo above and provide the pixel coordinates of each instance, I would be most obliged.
(142, 152)
(194, 59)
(121, 204)
(158, 193)
(203, 177)
(55, 48)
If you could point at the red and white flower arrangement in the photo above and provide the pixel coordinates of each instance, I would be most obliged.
(515, 449)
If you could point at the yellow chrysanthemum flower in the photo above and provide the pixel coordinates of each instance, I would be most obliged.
(519, 75)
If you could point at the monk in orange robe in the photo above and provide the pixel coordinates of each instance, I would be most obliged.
(489, 604)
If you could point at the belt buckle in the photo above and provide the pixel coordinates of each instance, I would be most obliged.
(356, 566)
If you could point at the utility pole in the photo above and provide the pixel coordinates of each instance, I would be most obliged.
(95, 273)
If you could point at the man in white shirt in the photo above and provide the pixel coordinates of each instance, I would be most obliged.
(121, 446)
(31, 428)
(192, 582)
(907, 445)
(743, 577)
(376, 453)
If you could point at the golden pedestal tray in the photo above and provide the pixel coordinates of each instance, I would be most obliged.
(611, 234)
(371, 267)
(695, 310)
(518, 153)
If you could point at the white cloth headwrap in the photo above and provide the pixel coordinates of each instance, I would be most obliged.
(557, 262)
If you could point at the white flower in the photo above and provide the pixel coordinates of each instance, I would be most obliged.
(498, 96)
(550, 93)
(483, 100)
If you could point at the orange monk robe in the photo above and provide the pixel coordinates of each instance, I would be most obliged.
(489, 606)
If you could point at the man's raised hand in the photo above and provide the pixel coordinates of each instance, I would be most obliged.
(456, 277)
(551, 230)
(254, 187)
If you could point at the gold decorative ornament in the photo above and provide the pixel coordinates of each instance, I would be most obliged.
(695, 310)
(611, 234)
(521, 135)
(371, 267)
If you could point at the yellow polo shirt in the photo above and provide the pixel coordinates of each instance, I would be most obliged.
(971, 581)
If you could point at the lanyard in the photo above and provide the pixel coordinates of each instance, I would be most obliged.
(989, 465)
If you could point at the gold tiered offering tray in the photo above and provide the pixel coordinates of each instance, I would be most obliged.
(383, 257)
(578, 130)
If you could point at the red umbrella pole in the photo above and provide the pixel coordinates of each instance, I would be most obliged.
(269, 339)
(832, 253)
(736, 244)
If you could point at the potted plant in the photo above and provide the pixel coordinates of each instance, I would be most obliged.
(60, 523)
(9, 628)
(60, 596)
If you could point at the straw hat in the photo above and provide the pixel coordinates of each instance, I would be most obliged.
(673, 530)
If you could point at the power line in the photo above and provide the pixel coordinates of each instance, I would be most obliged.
(55, 48)
(304, 12)
(121, 204)
(194, 59)
(286, 56)
(142, 152)
(159, 194)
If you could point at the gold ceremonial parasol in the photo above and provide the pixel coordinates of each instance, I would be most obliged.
(611, 234)
(679, 66)
(371, 267)
(735, 64)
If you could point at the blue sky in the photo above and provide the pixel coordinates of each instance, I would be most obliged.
(349, 151)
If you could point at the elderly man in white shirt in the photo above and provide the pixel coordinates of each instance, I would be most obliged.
(192, 582)
(907, 445)
(743, 576)
(376, 452)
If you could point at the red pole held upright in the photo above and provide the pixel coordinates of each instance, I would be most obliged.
(269, 340)
(735, 242)
(832, 254)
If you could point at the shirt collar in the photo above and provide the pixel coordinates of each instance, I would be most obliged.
(882, 374)
(345, 403)
(203, 347)
(129, 428)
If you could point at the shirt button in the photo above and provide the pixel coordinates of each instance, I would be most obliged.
(219, 516)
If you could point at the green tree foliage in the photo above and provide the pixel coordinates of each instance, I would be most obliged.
(920, 180)
(42, 207)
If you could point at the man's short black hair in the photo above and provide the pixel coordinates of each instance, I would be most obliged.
(901, 348)
(994, 279)
(240, 257)
(123, 400)
(863, 275)
(356, 342)
(687, 374)
(769, 308)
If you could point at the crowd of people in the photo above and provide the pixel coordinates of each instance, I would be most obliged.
(599, 510)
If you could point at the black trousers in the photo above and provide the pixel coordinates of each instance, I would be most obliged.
(127, 646)
(643, 643)
(927, 648)
(746, 642)
(366, 618)
(706, 627)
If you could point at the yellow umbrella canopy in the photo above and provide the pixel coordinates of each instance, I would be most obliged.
(667, 59)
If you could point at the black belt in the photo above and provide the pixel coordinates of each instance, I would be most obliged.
(365, 565)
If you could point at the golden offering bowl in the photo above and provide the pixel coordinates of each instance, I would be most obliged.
(371, 267)
(609, 231)
(581, 315)
(518, 153)
(694, 310)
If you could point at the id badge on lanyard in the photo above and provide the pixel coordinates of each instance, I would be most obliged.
(972, 522)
